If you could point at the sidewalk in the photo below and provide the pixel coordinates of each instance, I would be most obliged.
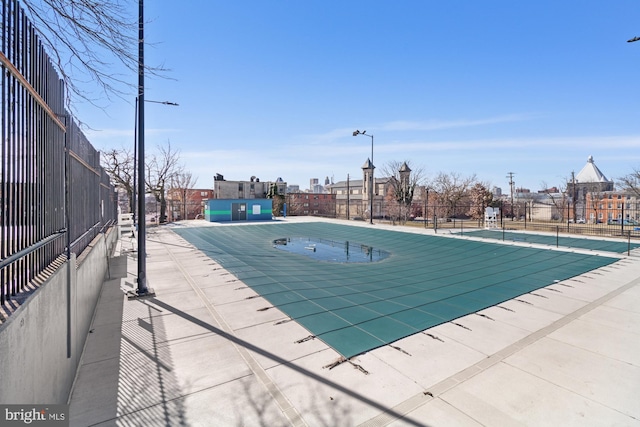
(201, 354)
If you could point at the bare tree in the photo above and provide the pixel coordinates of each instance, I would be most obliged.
(163, 171)
(631, 182)
(403, 182)
(162, 167)
(87, 39)
(524, 200)
(295, 205)
(452, 189)
(593, 198)
(120, 166)
(181, 191)
(559, 201)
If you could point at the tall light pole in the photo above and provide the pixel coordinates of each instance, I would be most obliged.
(142, 289)
(135, 153)
(371, 184)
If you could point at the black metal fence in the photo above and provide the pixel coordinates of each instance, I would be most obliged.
(54, 196)
(621, 220)
(530, 216)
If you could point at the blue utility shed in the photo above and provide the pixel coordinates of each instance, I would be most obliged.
(218, 210)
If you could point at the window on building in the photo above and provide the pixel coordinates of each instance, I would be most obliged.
(601, 206)
(306, 205)
(240, 186)
(609, 205)
(203, 193)
(619, 206)
(611, 196)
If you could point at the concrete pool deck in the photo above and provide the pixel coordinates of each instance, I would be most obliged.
(200, 353)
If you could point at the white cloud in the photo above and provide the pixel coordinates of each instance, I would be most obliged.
(401, 125)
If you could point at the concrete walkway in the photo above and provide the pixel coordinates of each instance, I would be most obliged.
(201, 353)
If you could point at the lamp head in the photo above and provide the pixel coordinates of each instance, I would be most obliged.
(356, 133)
(635, 39)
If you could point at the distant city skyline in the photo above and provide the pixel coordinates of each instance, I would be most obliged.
(276, 90)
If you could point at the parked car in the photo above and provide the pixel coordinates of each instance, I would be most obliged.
(618, 221)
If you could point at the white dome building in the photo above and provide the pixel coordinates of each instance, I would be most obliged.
(590, 180)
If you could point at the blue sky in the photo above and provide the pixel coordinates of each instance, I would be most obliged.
(276, 88)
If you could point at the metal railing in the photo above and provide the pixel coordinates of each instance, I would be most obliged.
(51, 182)
(622, 220)
(533, 217)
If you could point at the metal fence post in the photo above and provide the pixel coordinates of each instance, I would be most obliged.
(49, 178)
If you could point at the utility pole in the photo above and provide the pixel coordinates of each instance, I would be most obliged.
(511, 184)
(574, 195)
(348, 198)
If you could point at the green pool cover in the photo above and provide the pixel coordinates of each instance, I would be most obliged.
(357, 306)
(551, 240)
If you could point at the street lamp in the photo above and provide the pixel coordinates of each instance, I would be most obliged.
(356, 133)
(135, 153)
(142, 289)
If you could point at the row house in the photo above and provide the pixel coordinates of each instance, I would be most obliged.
(612, 207)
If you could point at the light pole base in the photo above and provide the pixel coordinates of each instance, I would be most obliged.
(131, 295)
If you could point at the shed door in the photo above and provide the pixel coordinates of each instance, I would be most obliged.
(238, 212)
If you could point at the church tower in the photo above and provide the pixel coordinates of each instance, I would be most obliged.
(405, 172)
(367, 182)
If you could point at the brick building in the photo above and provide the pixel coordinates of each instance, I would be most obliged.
(612, 207)
(590, 183)
(318, 204)
(187, 203)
